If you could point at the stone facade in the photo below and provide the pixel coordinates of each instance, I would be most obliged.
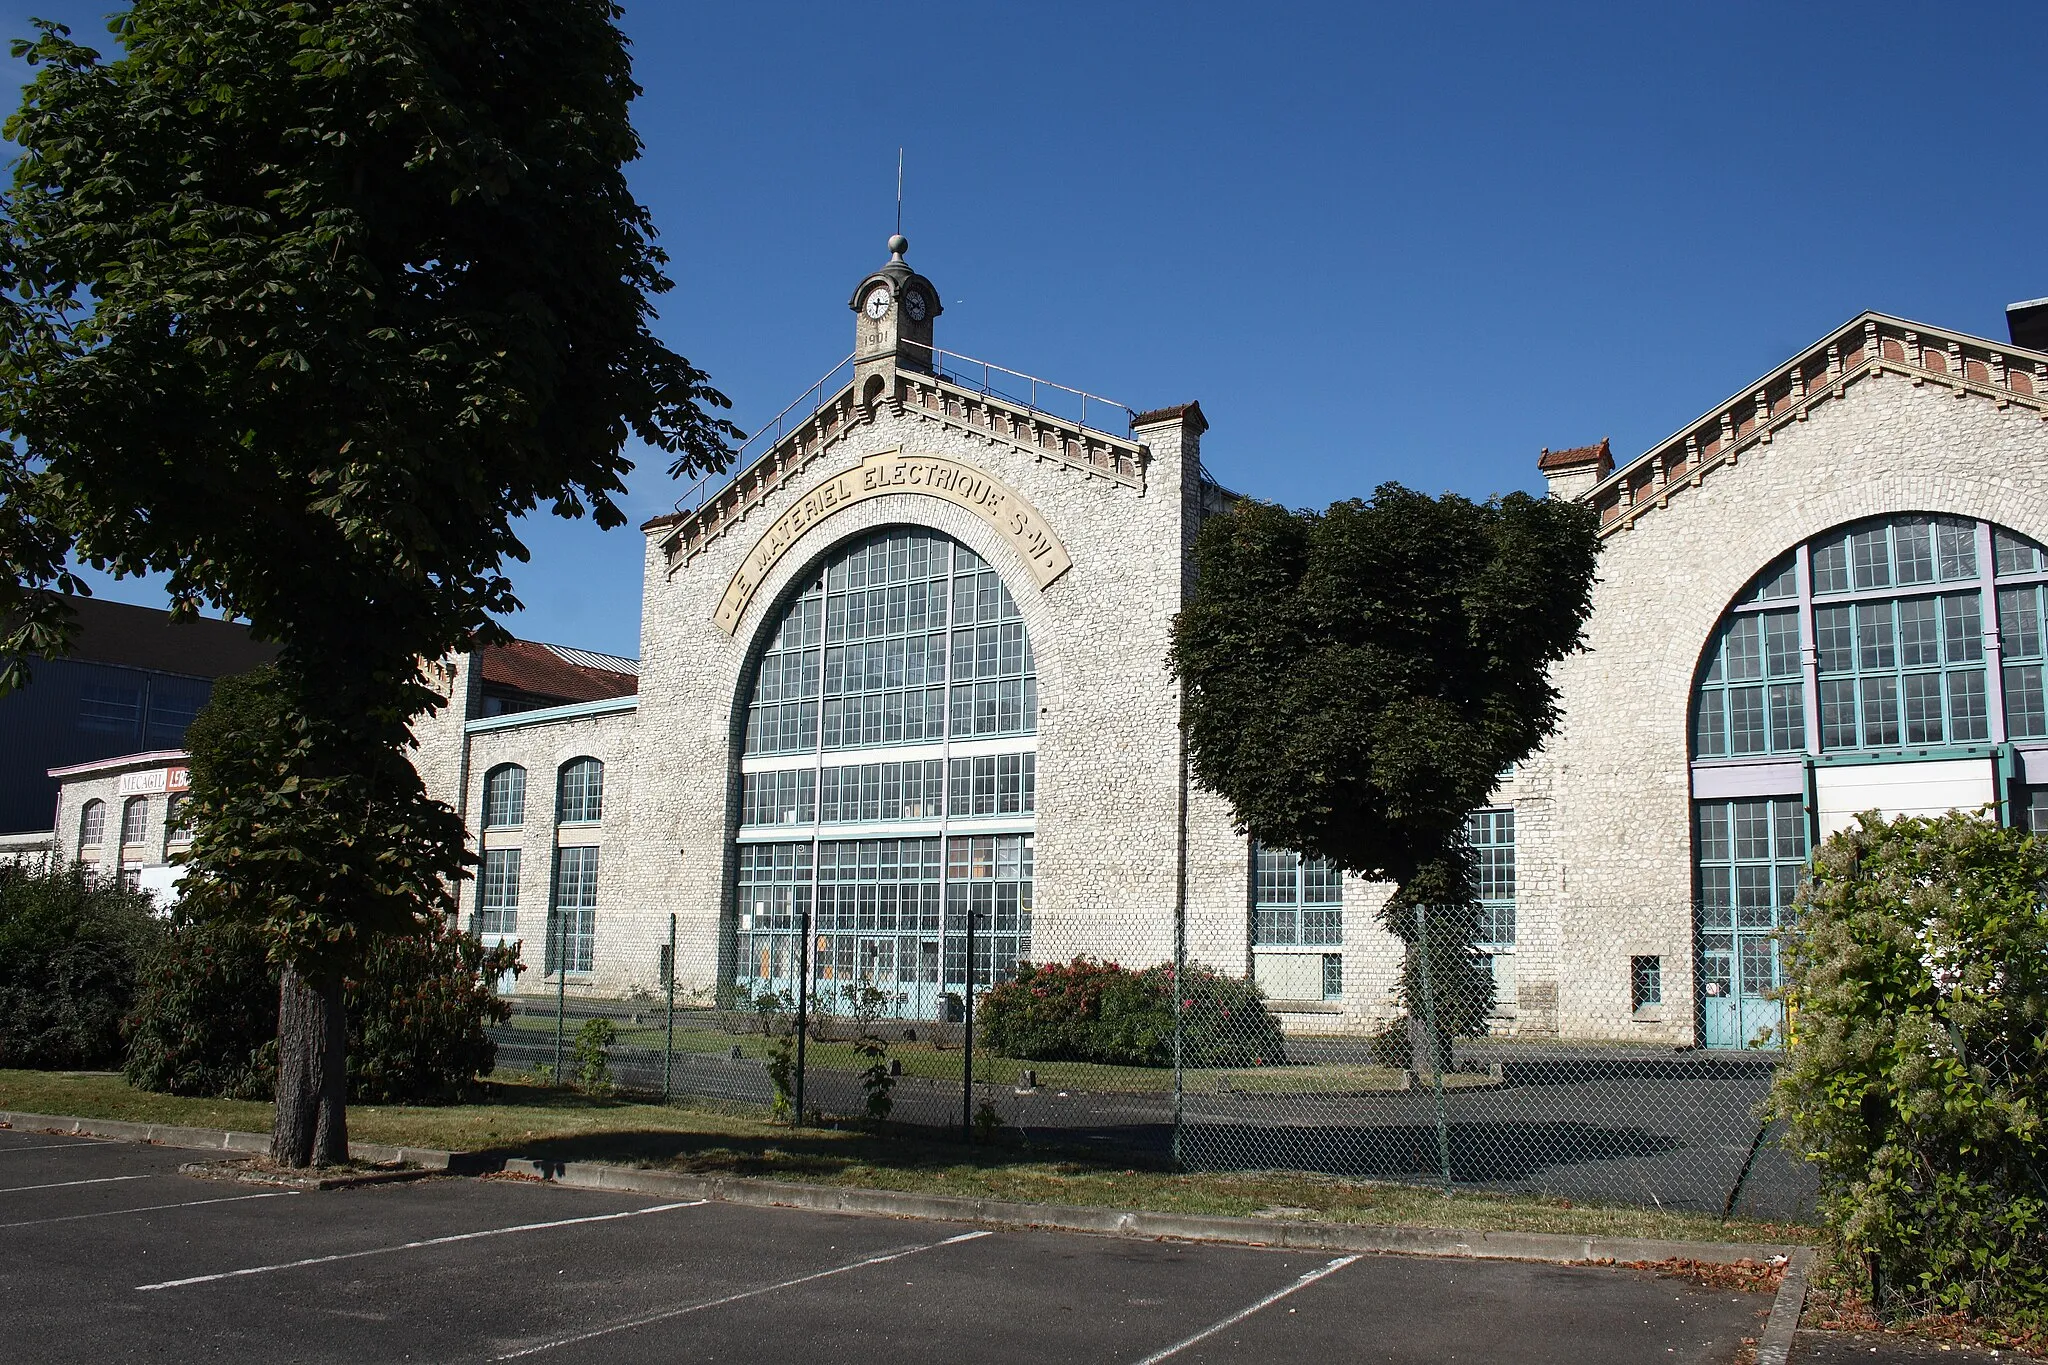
(1092, 534)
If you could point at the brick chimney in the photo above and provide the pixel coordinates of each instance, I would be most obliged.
(1572, 473)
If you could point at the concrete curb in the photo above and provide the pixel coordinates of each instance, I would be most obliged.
(211, 1139)
(1783, 1326)
(1518, 1246)
(1349, 1237)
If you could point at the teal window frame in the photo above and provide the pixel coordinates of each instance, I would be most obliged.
(1297, 902)
(505, 797)
(497, 903)
(1491, 835)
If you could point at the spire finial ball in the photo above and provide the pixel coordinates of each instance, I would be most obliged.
(898, 245)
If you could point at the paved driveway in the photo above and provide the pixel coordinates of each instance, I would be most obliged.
(107, 1253)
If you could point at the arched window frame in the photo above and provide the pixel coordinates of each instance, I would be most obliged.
(902, 639)
(1914, 630)
(134, 821)
(579, 791)
(504, 797)
(92, 824)
(177, 820)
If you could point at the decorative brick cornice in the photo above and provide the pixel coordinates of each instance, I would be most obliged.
(1055, 440)
(1868, 347)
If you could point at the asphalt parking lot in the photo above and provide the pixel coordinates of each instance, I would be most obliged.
(108, 1253)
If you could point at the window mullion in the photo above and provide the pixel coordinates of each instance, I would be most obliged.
(1994, 653)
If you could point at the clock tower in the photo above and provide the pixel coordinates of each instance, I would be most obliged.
(893, 311)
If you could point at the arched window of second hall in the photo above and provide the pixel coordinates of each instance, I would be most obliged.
(579, 792)
(505, 797)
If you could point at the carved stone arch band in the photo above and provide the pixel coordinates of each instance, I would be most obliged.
(896, 471)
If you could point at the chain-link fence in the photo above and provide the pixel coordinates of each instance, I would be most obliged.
(1332, 1050)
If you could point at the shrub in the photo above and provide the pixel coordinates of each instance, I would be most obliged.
(594, 1056)
(418, 1010)
(71, 944)
(1090, 1011)
(205, 1020)
(1917, 1059)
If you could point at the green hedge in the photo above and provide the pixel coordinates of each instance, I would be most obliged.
(206, 1021)
(71, 943)
(1092, 1011)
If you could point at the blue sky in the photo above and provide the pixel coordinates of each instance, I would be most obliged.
(1409, 242)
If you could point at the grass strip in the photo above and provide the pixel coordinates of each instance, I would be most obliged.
(532, 1121)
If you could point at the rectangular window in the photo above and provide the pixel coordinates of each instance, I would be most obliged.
(498, 892)
(575, 928)
(1645, 982)
(108, 709)
(989, 876)
(772, 900)
(1333, 976)
(1296, 901)
(1491, 833)
(786, 797)
(1901, 672)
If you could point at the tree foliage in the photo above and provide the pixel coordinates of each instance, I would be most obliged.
(71, 946)
(313, 301)
(1916, 1066)
(1356, 680)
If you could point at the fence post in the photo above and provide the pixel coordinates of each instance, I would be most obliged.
(1180, 986)
(561, 983)
(1436, 1063)
(803, 1009)
(967, 1051)
(668, 1046)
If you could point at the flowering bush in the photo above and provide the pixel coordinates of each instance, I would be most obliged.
(1917, 1060)
(1092, 1011)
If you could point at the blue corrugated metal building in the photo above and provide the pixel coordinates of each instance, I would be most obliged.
(132, 683)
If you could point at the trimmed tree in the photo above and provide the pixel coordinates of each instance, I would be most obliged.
(318, 300)
(1355, 680)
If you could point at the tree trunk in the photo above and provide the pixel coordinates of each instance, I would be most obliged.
(311, 1127)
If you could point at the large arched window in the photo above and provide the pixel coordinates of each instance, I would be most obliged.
(1879, 636)
(889, 783)
(579, 792)
(505, 797)
(1913, 637)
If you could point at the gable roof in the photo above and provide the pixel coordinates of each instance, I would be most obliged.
(937, 398)
(1868, 345)
(533, 669)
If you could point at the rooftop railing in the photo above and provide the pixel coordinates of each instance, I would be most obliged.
(1028, 392)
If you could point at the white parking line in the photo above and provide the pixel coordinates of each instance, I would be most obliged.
(53, 1146)
(413, 1246)
(743, 1294)
(1241, 1314)
(67, 1184)
(147, 1208)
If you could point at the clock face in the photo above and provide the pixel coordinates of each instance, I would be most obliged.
(877, 302)
(913, 304)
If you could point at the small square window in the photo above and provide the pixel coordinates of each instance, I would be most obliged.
(1645, 982)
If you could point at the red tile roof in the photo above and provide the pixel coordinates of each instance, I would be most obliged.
(1602, 455)
(532, 668)
(1188, 412)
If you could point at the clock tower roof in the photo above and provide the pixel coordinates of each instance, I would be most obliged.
(898, 276)
(892, 321)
